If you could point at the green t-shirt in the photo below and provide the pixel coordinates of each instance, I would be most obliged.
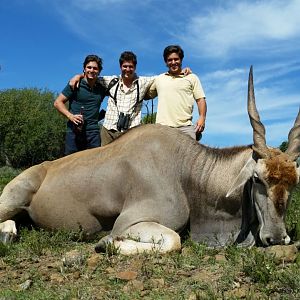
(89, 98)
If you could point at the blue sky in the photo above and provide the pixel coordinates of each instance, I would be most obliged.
(43, 44)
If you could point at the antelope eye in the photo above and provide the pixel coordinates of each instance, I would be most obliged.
(256, 179)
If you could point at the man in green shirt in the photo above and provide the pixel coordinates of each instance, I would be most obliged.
(84, 103)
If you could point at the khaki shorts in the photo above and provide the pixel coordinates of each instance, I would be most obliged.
(108, 136)
(191, 131)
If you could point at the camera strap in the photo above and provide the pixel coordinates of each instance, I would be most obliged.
(112, 83)
(138, 101)
(74, 97)
(137, 96)
(115, 95)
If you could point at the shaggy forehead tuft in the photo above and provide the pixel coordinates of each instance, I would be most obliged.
(281, 170)
(281, 175)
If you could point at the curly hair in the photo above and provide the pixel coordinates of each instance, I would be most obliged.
(93, 57)
(173, 49)
(128, 56)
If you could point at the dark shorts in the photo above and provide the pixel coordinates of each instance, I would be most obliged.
(78, 142)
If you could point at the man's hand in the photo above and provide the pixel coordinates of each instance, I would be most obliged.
(76, 119)
(200, 125)
(202, 109)
(186, 71)
(74, 82)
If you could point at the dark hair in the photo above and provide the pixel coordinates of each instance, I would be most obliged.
(173, 49)
(95, 58)
(127, 56)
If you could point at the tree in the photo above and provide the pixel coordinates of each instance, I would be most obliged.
(283, 146)
(149, 118)
(31, 130)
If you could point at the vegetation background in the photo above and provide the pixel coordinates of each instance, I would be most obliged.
(31, 130)
(62, 265)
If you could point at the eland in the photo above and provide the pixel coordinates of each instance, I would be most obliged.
(149, 184)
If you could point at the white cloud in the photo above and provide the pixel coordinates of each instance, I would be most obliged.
(244, 26)
(227, 119)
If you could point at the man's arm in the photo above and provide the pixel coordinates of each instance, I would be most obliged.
(151, 92)
(75, 80)
(60, 105)
(104, 80)
(202, 109)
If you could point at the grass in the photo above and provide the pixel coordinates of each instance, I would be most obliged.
(34, 268)
(214, 274)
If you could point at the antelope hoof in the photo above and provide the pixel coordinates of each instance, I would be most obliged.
(7, 237)
(8, 232)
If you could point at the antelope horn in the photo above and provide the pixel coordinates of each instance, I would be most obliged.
(258, 128)
(293, 149)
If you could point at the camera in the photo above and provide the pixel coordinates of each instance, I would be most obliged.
(123, 121)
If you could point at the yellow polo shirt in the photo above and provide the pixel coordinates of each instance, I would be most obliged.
(176, 97)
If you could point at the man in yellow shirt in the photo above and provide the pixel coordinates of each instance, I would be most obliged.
(176, 95)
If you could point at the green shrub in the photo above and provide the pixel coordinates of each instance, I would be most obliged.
(6, 175)
(293, 215)
(31, 130)
(149, 118)
(283, 146)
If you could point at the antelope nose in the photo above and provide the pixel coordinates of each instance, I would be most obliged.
(100, 248)
(287, 240)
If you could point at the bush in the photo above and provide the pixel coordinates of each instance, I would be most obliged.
(6, 175)
(293, 214)
(31, 130)
(149, 118)
(283, 146)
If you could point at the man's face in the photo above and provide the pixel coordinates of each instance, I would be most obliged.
(128, 69)
(91, 70)
(174, 64)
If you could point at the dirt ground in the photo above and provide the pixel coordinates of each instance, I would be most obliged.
(83, 274)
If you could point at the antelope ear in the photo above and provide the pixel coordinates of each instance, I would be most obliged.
(243, 176)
